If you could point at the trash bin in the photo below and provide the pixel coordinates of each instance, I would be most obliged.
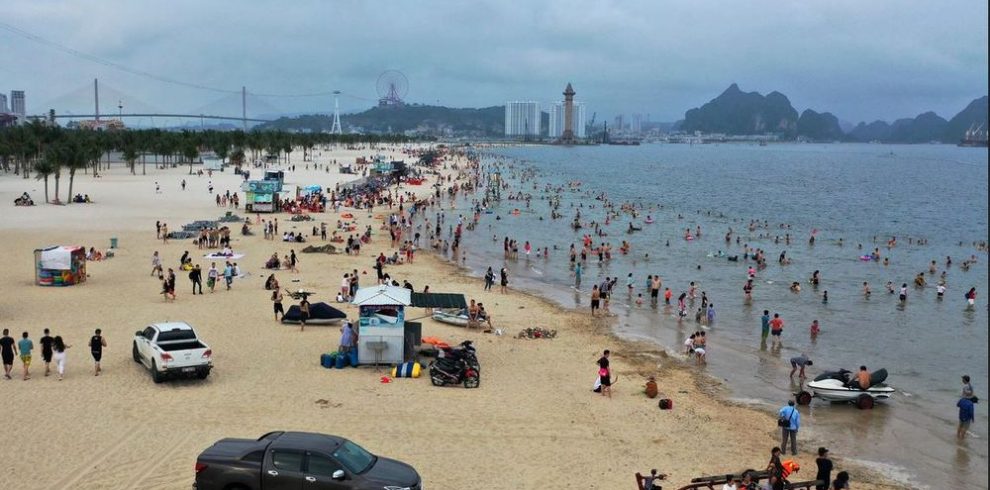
(113, 242)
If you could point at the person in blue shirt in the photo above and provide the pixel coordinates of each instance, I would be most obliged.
(25, 345)
(765, 327)
(790, 430)
(965, 417)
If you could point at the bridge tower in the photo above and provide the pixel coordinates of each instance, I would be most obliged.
(335, 129)
(96, 98)
(244, 107)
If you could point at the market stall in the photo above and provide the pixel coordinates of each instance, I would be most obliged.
(381, 324)
(261, 196)
(60, 265)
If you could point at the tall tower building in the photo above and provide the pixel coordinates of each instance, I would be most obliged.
(567, 137)
(17, 102)
(522, 118)
(3, 103)
(557, 120)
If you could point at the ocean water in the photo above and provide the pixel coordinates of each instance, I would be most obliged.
(861, 194)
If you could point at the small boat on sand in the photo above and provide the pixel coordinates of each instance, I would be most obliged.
(457, 317)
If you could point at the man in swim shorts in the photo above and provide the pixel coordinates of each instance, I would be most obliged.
(776, 328)
(26, 346)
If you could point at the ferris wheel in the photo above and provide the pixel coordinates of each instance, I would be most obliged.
(392, 87)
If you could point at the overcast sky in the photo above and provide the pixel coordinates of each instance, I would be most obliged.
(861, 60)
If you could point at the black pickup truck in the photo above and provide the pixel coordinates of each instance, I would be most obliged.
(299, 461)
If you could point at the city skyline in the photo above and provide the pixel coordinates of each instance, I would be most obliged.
(884, 63)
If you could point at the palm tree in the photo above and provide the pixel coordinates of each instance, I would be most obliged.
(190, 151)
(74, 157)
(130, 156)
(45, 167)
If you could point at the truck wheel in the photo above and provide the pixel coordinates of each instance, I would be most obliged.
(203, 373)
(804, 398)
(864, 402)
(134, 352)
(156, 376)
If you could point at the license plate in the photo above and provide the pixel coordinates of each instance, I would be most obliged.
(188, 370)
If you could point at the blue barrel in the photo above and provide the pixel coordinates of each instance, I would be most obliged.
(341, 362)
(352, 357)
(326, 360)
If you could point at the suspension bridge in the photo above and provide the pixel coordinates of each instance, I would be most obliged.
(84, 103)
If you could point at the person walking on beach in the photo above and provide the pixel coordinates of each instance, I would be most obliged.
(277, 303)
(303, 313)
(596, 297)
(156, 264)
(825, 466)
(25, 345)
(504, 273)
(96, 344)
(765, 325)
(211, 277)
(7, 350)
(293, 261)
(228, 275)
(46, 351)
(489, 279)
(965, 417)
(59, 347)
(196, 276)
(164, 233)
(789, 420)
(605, 374)
(577, 275)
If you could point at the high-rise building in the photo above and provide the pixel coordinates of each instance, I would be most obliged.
(3, 103)
(557, 120)
(522, 118)
(17, 102)
(618, 124)
(637, 124)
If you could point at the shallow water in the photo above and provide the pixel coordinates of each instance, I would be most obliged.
(854, 192)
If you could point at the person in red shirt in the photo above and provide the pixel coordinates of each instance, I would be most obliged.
(776, 328)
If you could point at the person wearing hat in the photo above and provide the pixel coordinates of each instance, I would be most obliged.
(824, 475)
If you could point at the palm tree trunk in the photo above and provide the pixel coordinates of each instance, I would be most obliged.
(46, 189)
(72, 177)
(144, 166)
(57, 179)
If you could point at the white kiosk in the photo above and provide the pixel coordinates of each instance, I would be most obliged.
(381, 324)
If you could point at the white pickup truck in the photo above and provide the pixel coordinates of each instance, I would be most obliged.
(172, 350)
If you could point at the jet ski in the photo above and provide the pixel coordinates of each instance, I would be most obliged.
(840, 386)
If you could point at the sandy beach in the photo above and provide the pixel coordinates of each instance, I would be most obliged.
(534, 422)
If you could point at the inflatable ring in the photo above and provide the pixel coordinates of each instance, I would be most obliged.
(865, 258)
(347, 216)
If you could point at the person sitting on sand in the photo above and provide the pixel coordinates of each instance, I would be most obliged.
(484, 316)
(271, 283)
(273, 262)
